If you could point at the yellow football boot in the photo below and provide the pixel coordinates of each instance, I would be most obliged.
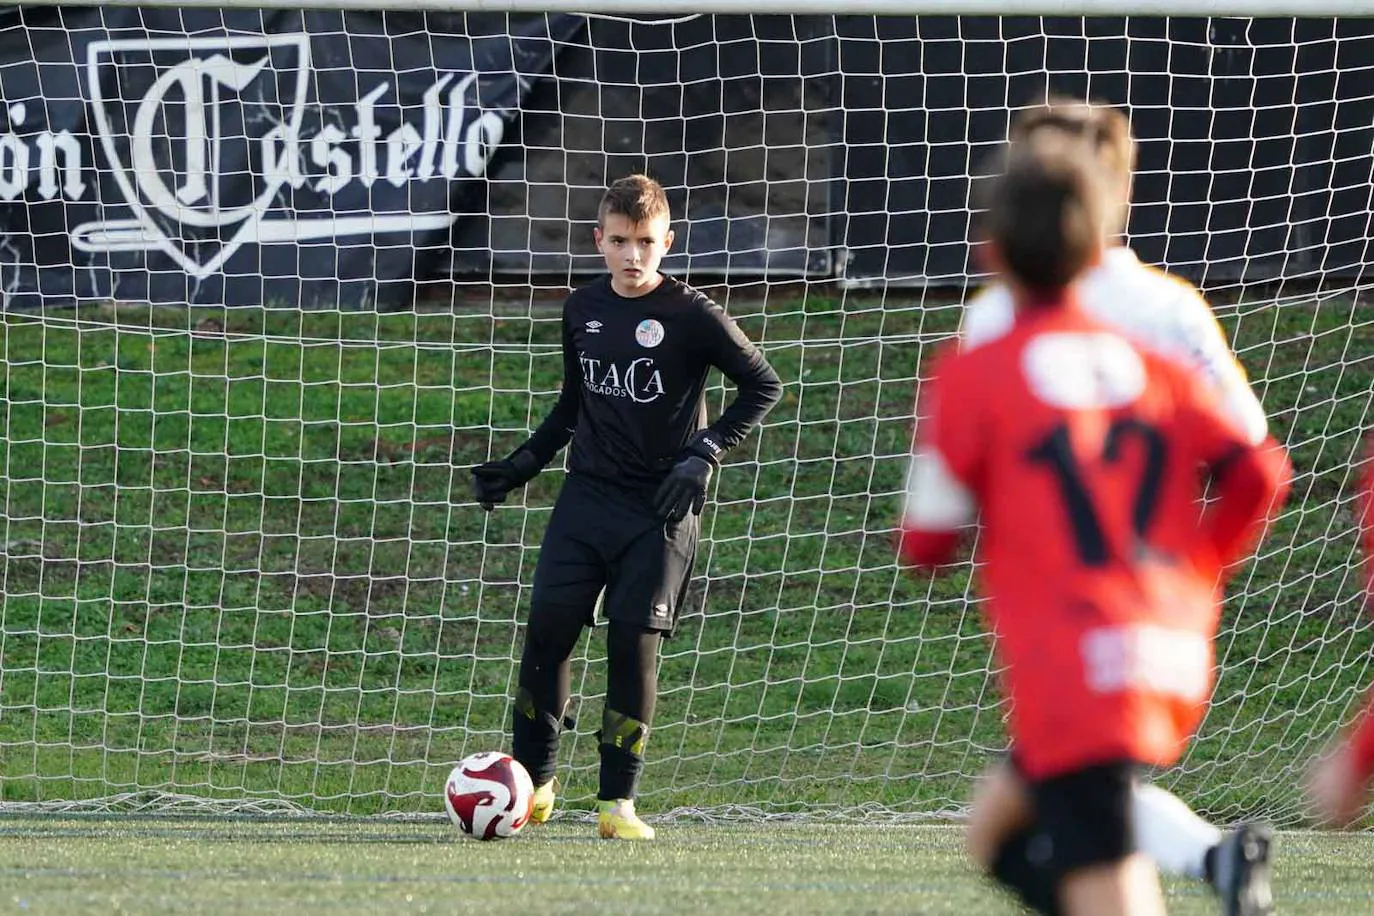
(617, 820)
(542, 808)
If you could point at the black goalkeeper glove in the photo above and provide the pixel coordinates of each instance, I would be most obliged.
(493, 480)
(684, 489)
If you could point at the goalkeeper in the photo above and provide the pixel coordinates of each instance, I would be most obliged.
(1167, 316)
(637, 348)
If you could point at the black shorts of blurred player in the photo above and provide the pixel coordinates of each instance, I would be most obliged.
(1086, 815)
(1037, 836)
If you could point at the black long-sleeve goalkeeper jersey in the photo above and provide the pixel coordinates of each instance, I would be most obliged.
(634, 381)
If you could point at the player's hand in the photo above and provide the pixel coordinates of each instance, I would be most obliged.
(1334, 788)
(493, 480)
(684, 489)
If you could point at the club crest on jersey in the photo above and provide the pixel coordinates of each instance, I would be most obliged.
(649, 333)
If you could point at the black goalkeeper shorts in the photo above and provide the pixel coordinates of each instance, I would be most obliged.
(603, 538)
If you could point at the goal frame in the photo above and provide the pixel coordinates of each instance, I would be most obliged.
(795, 691)
(1152, 8)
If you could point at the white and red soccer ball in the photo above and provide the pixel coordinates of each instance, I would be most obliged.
(489, 796)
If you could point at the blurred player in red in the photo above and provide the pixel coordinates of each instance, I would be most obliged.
(1168, 316)
(1342, 779)
(1085, 460)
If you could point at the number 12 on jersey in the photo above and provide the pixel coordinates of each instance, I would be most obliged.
(1055, 452)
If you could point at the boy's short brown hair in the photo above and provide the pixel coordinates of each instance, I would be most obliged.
(1105, 128)
(638, 198)
(1045, 211)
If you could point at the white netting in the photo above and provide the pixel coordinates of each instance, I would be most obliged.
(240, 560)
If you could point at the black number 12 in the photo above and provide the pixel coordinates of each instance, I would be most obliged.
(1056, 452)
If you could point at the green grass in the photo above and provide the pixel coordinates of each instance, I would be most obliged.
(195, 865)
(240, 561)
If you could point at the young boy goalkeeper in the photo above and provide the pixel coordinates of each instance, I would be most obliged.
(637, 349)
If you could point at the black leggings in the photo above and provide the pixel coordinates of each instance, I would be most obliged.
(546, 685)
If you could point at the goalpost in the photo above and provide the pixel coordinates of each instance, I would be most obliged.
(1246, 8)
(240, 564)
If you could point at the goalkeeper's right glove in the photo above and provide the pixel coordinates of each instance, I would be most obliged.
(493, 480)
(684, 489)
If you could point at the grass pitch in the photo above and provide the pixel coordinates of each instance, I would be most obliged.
(53, 865)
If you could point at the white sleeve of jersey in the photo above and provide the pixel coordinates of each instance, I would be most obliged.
(1205, 346)
(935, 499)
(987, 316)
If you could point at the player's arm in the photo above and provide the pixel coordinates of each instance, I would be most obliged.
(1362, 745)
(1364, 513)
(1249, 480)
(557, 429)
(1340, 781)
(493, 480)
(1361, 741)
(986, 317)
(1251, 483)
(941, 503)
(757, 388)
(1209, 351)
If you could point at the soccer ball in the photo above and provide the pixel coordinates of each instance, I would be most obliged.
(489, 796)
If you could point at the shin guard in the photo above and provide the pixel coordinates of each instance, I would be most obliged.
(622, 754)
(534, 737)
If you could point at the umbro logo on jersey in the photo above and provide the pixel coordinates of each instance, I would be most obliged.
(593, 327)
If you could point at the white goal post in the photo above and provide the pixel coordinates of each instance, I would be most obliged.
(1240, 8)
(274, 280)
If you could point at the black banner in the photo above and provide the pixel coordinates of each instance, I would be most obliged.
(335, 160)
(843, 145)
(247, 157)
(735, 115)
(1255, 136)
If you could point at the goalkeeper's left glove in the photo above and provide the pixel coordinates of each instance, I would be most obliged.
(684, 489)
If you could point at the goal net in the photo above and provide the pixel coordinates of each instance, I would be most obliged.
(241, 566)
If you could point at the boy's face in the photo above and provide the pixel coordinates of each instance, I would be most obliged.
(633, 251)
